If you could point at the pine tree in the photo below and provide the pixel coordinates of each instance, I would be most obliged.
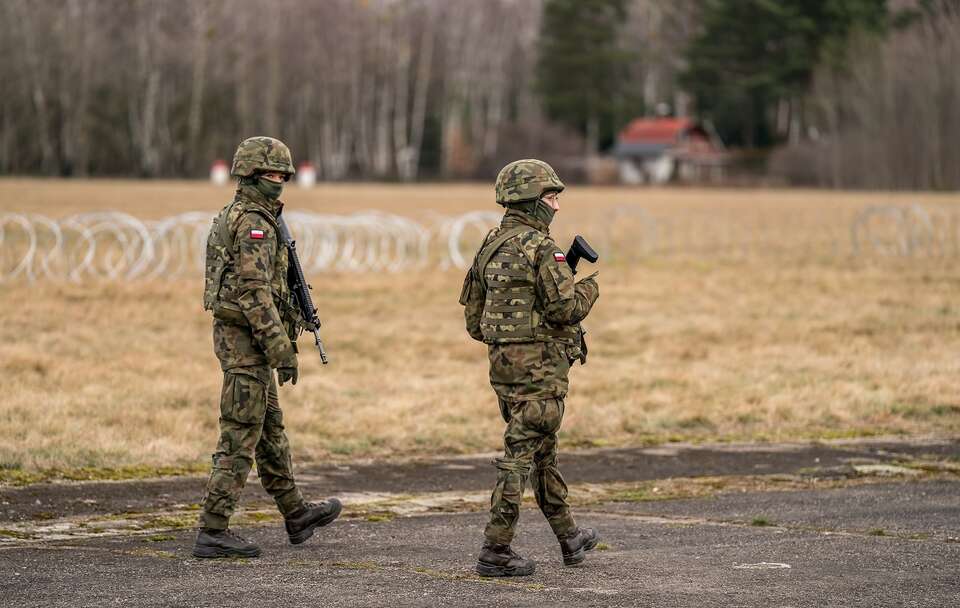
(752, 54)
(583, 67)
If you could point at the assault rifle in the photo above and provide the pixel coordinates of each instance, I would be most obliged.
(581, 249)
(300, 288)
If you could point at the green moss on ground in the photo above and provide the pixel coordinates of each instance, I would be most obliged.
(21, 477)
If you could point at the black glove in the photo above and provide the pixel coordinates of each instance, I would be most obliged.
(287, 374)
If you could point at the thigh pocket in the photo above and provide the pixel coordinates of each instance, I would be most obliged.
(244, 397)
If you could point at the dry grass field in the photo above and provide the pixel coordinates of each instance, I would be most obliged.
(779, 334)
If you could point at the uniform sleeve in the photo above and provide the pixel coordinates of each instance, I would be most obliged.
(471, 298)
(257, 246)
(565, 302)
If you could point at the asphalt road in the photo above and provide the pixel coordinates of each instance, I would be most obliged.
(469, 473)
(893, 543)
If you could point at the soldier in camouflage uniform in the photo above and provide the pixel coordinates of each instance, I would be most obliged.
(255, 327)
(521, 300)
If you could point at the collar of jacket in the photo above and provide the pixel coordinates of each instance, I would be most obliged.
(249, 193)
(514, 217)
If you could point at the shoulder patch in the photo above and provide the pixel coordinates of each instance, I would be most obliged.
(559, 257)
(253, 216)
(256, 234)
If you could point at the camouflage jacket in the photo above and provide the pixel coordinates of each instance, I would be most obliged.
(254, 320)
(531, 343)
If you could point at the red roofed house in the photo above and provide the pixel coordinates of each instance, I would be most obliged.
(658, 150)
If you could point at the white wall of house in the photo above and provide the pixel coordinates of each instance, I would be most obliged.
(657, 170)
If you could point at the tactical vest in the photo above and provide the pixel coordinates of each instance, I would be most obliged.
(221, 283)
(512, 312)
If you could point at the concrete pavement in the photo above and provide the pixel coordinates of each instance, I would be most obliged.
(882, 536)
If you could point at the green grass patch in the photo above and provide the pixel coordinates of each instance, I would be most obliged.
(636, 495)
(649, 492)
(174, 522)
(159, 538)
(261, 516)
(877, 532)
(854, 433)
(760, 521)
(21, 477)
(15, 534)
(379, 517)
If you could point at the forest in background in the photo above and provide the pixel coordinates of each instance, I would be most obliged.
(837, 93)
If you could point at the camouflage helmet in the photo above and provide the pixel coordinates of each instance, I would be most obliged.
(526, 180)
(262, 154)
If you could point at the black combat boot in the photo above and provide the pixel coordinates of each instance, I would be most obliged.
(501, 560)
(575, 546)
(301, 524)
(223, 543)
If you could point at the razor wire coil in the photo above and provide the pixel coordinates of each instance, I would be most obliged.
(115, 246)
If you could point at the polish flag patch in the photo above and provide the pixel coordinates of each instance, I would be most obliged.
(256, 234)
(559, 257)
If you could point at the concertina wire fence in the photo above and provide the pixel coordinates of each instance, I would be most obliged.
(119, 247)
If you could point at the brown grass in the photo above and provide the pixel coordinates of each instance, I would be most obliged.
(781, 341)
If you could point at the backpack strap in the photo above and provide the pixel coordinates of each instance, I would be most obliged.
(487, 253)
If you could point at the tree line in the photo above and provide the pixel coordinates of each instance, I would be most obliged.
(160, 88)
(415, 89)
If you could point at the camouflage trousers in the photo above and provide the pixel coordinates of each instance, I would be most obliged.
(251, 426)
(530, 452)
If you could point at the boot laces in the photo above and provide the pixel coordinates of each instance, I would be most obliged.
(234, 536)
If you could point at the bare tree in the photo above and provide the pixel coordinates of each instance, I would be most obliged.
(891, 119)
(390, 89)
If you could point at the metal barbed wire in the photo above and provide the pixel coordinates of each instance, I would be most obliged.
(116, 246)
